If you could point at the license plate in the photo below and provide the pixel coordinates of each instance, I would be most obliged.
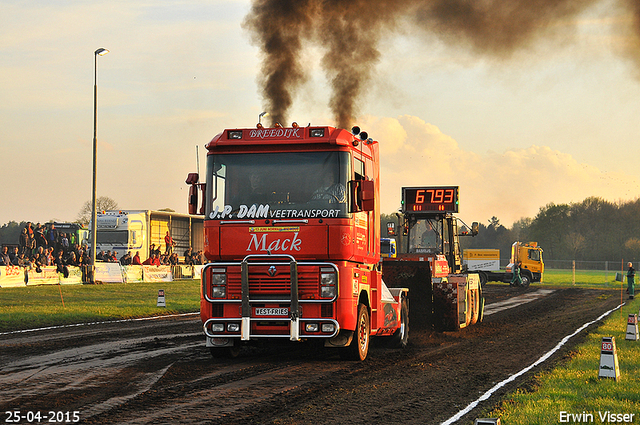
(272, 311)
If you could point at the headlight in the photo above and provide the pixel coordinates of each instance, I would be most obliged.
(327, 291)
(328, 327)
(233, 327)
(328, 282)
(311, 327)
(219, 291)
(328, 279)
(218, 283)
(217, 327)
(218, 278)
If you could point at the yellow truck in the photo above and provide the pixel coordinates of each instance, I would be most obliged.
(486, 262)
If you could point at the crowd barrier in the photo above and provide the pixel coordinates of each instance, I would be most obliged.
(14, 276)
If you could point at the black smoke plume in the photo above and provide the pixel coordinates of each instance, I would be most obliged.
(350, 31)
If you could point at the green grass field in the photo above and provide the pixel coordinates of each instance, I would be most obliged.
(573, 387)
(38, 306)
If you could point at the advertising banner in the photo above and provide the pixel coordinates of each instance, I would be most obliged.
(108, 272)
(11, 276)
(48, 275)
(157, 273)
(132, 274)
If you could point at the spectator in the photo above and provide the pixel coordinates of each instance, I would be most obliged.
(4, 257)
(61, 266)
(40, 257)
(22, 261)
(100, 256)
(153, 260)
(52, 235)
(631, 274)
(29, 228)
(197, 258)
(187, 256)
(72, 260)
(169, 243)
(84, 262)
(136, 259)
(13, 255)
(23, 241)
(64, 242)
(125, 260)
(41, 241)
(48, 253)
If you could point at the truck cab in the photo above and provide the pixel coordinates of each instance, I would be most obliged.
(292, 240)
(529, 255)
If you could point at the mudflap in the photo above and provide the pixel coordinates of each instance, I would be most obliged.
(445, 304)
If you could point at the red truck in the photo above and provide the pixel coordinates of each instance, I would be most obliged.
(292, 241)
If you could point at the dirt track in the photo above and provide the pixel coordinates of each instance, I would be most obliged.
(159, 371)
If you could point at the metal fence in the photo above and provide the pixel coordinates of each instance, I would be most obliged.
(614, 266)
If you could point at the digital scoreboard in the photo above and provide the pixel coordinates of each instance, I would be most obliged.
(442, 199)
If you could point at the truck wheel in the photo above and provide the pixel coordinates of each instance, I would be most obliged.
(525, 281)
(359, 347)
(401, 336)
(475, 306)
(483, 278)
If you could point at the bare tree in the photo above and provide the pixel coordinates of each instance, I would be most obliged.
(103, 203)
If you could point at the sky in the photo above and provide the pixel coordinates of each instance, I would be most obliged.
(555, 122)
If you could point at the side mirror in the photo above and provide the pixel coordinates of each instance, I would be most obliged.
(192, 179)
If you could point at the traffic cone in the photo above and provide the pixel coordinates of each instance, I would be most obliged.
(632, 328)
(609, 359)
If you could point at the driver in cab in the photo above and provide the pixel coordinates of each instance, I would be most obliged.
(330, 190)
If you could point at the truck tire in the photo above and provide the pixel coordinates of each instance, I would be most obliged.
(400, 338)
(483, 278)
(359, 347)
(525, 280)
(475, 306)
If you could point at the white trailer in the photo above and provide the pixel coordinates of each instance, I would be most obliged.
(135, 230)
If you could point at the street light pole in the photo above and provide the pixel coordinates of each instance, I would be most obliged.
(100, 52)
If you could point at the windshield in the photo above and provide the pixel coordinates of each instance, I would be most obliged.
(426, 237)
(277, 185)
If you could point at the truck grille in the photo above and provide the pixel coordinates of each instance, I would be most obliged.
(262, 283)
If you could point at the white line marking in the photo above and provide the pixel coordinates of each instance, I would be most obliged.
(516, 301)
(542, 359)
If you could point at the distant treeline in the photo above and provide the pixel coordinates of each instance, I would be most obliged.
(10, 232)
(591, 230)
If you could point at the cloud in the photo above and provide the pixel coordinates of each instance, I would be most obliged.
(509, 185)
